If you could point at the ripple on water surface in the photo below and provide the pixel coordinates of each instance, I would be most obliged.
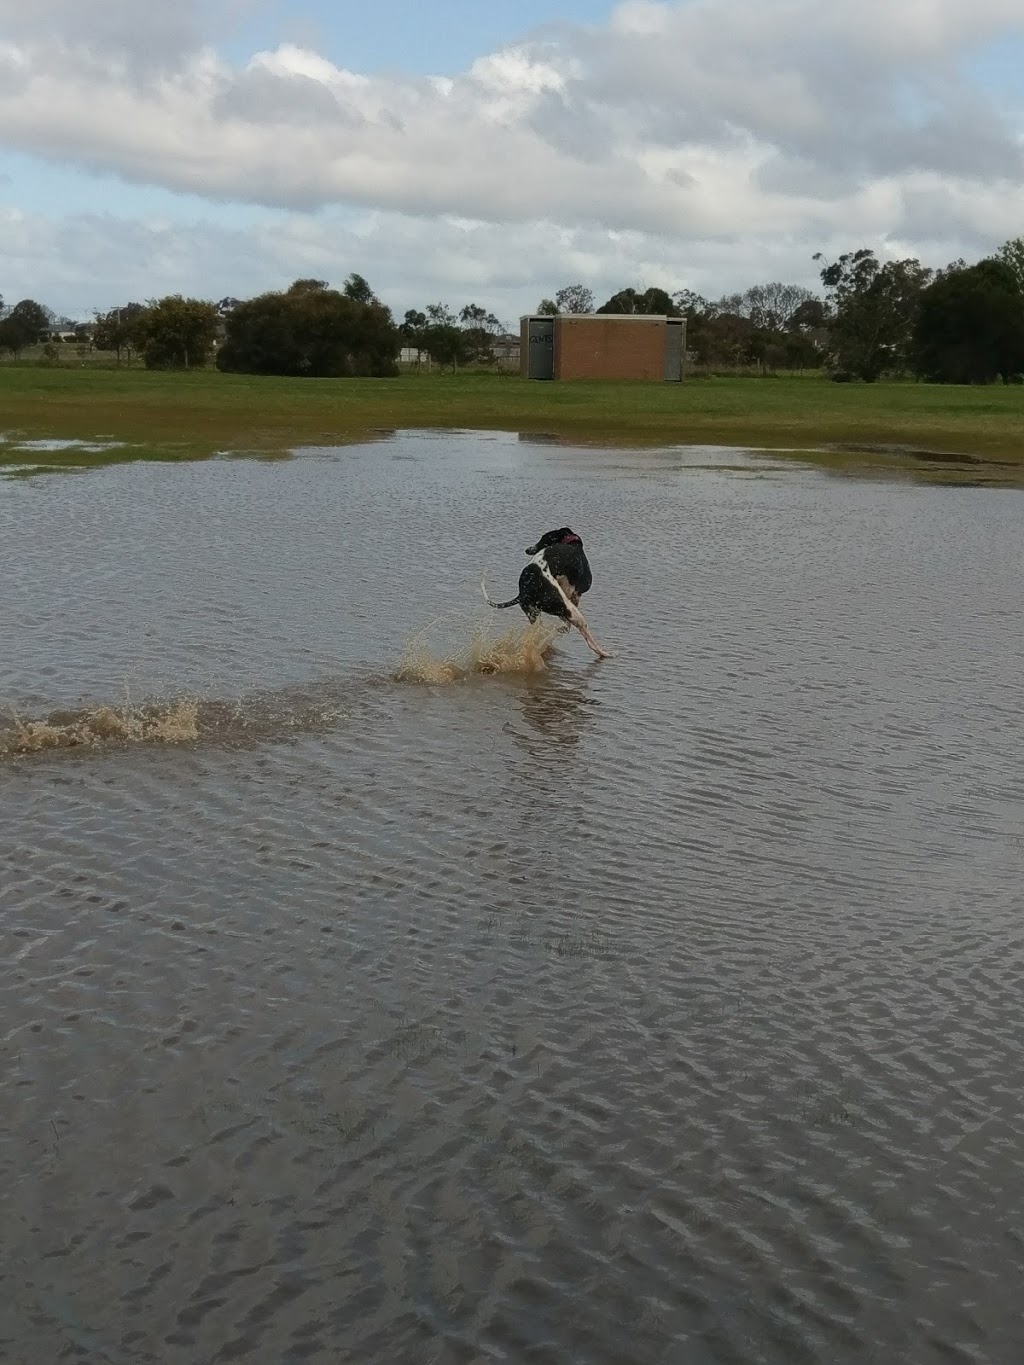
(662, 1009)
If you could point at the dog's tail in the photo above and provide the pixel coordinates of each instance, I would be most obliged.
(513, 602)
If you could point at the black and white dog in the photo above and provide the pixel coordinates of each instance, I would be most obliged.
(553, 582)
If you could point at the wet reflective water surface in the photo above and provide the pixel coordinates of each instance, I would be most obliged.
(666, 1009)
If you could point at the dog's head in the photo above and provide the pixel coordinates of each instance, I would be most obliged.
(563, 536)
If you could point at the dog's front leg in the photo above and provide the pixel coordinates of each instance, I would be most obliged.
(575, 615)
(568, 590)
(584, 630)
(571, 596)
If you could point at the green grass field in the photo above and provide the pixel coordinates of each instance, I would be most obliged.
(159, 415)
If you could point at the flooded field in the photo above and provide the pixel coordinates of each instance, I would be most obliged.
(386, 983)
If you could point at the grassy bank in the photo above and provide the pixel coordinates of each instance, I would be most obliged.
(185, 416)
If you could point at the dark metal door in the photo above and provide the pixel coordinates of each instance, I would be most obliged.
(675, 336)
(541, 363)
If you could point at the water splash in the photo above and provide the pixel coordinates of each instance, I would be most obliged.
(175, 722)
(523, 649)
(274, 715)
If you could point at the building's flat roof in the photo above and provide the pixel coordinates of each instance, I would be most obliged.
(600, 317)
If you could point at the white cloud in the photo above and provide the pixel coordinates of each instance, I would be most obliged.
(93, 261)
(755, 131)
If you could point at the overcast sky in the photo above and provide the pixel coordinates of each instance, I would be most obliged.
(470, 151)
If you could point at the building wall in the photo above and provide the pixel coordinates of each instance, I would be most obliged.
(609, 348)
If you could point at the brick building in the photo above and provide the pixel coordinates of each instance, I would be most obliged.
(602, 346)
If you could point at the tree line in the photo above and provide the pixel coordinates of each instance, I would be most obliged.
(306, 329)
(961, 324)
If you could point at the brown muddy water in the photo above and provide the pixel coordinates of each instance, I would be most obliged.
(667, 1009)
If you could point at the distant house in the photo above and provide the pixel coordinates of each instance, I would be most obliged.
(507, 350)
(602, 346)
